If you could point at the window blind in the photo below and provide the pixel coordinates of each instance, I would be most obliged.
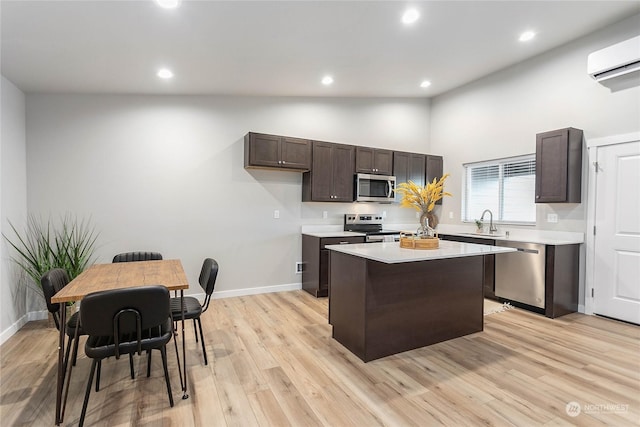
(506, 187)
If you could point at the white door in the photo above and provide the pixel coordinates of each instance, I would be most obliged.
(617, 237)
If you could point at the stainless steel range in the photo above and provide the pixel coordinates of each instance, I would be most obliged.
(371, 225)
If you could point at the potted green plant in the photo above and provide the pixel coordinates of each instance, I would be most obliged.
(479, 226)
(43, 245)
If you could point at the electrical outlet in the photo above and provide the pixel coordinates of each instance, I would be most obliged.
(450, 215)
(276, 214)
(384, 214)
(552, 218)
(417, 215)
(325, 214)
(299, 267)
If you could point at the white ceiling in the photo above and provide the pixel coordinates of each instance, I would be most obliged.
(281, 47)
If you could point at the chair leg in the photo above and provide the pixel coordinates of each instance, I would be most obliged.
(95, 363)
(204, 351)
(98, 375)
(163, 352)
(133, 375)
(66, 353)
(175, 342)
(195, 331)
(148, 363)
(75, 350)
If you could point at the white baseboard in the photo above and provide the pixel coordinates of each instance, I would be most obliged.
(34, 315)
(256, 291)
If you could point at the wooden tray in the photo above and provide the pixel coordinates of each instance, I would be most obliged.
(411, 243)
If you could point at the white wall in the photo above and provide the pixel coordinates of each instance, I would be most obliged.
(499, 116)
(13, 206)
(166, 173)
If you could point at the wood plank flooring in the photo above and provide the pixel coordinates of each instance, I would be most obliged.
(272, 362)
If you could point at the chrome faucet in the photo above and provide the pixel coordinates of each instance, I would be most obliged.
(492, 228)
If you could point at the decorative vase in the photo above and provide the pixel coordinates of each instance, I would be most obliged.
(425, 231)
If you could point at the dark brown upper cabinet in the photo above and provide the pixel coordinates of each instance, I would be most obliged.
(559, 166)
(408, 167)
(276, 152)
(434, 169)
(374, 160)
(331, 175)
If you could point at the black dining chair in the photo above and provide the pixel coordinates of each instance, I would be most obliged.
(52, 282)
(192, 307)
(137, 256)
(125, 321)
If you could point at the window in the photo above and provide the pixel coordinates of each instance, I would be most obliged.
(506, 187)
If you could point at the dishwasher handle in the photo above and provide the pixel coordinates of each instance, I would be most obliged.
(529, 251)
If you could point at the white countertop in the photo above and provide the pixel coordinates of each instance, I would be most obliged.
(544, 237)
(391, 252)
(334, 234)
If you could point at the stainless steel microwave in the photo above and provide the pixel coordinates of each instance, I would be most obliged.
(374, 188)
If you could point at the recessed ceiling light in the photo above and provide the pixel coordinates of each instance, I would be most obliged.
(526, 36)
(165, 73)
(425, 83)
(410, 16)
(168, 4)
(327, 80)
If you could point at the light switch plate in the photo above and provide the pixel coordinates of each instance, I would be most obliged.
(276, 214)
(552, 218)
(325, 214)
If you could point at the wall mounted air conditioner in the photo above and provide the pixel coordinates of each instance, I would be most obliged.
(616, 67)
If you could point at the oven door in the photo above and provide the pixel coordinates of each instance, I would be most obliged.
(376, 238)
(374, 188)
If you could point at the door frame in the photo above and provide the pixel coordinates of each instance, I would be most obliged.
(592, 148)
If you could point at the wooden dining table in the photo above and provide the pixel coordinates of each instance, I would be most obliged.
(102, 277)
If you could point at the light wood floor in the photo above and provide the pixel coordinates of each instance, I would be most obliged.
(272, 362)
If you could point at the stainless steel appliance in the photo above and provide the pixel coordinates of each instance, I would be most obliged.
(371, 225)
(374, 188)
(520, 275)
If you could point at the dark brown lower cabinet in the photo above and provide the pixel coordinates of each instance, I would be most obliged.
(489, 270)
(315, 260)
(562, 266)
(561, 280)
(378, 309)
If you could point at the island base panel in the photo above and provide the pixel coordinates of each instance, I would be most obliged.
(380, 309)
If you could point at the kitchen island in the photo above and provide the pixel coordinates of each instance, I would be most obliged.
(385, 299)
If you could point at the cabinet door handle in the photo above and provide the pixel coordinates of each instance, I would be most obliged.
(344, 243)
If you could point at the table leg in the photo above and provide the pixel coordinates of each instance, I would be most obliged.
(60, 380)
(184, 348)
(70, 365)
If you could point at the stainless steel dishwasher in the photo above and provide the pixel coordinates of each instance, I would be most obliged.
(520, 275)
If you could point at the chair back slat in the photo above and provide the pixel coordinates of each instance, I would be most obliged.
(52, 282)
(137, 256)
(100, 310)
(208, 276)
